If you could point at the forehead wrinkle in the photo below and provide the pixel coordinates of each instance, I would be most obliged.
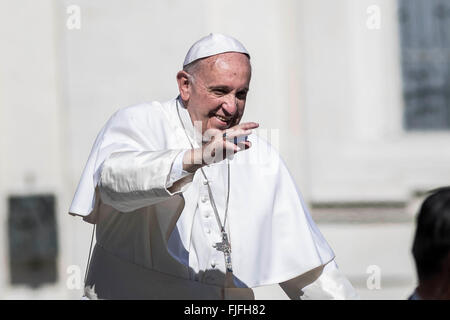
(222, 63)
(207, 65)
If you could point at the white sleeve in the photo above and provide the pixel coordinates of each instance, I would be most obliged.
(177, 172)
(134, 179)
(330, 285)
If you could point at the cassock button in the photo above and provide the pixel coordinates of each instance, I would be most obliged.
(208, 231)
(204, 199)
(213, 264)
(205, 182)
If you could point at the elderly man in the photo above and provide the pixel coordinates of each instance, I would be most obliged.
(189, 204)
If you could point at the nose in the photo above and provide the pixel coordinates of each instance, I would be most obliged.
(230, 104)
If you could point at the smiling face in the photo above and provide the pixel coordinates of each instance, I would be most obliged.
(216, 92)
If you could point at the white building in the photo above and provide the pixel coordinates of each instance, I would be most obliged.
(327, 85)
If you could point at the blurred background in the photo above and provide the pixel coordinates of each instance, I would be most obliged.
(358, 92)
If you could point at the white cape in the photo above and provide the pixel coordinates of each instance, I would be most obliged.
(273, 236)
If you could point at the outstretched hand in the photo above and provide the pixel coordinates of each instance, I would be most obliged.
(218, 145)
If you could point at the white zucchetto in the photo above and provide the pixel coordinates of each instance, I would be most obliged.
(214, 43)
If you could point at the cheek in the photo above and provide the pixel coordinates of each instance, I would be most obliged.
(211, 105)
(241, 108)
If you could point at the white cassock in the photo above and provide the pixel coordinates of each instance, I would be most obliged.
(156, 227)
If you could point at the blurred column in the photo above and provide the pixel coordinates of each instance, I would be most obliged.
(30, 107)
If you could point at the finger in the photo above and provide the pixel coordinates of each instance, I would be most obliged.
(225, 150)
(229, 146)
(243, 129)
(210, 134)
(244, 145)
(232, 134)
(247, 125)
(237, 147)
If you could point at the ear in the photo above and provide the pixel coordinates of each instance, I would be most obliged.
(184, 85)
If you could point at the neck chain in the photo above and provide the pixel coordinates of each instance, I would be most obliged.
(223, 246)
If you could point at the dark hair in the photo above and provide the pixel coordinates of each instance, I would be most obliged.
(432, 238)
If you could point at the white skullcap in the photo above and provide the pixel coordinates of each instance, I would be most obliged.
(214, 43)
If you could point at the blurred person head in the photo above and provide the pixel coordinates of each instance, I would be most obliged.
(431, 247)
(213, 87)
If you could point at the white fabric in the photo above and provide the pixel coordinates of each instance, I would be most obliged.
(331, 285)
(177, 171)
(131, 281)
(212, 44)
(273, 236)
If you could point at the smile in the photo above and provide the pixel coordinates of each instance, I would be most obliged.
(223, 119)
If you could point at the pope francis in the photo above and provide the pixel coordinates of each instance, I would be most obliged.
(189, 204)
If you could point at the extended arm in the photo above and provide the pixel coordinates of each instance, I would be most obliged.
(131, 180)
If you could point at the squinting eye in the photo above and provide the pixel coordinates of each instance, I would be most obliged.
(241, 96)
(219, 92)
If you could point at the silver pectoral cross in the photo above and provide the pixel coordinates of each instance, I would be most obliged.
(225, 247)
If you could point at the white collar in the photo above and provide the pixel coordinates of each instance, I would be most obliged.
(194, 135)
